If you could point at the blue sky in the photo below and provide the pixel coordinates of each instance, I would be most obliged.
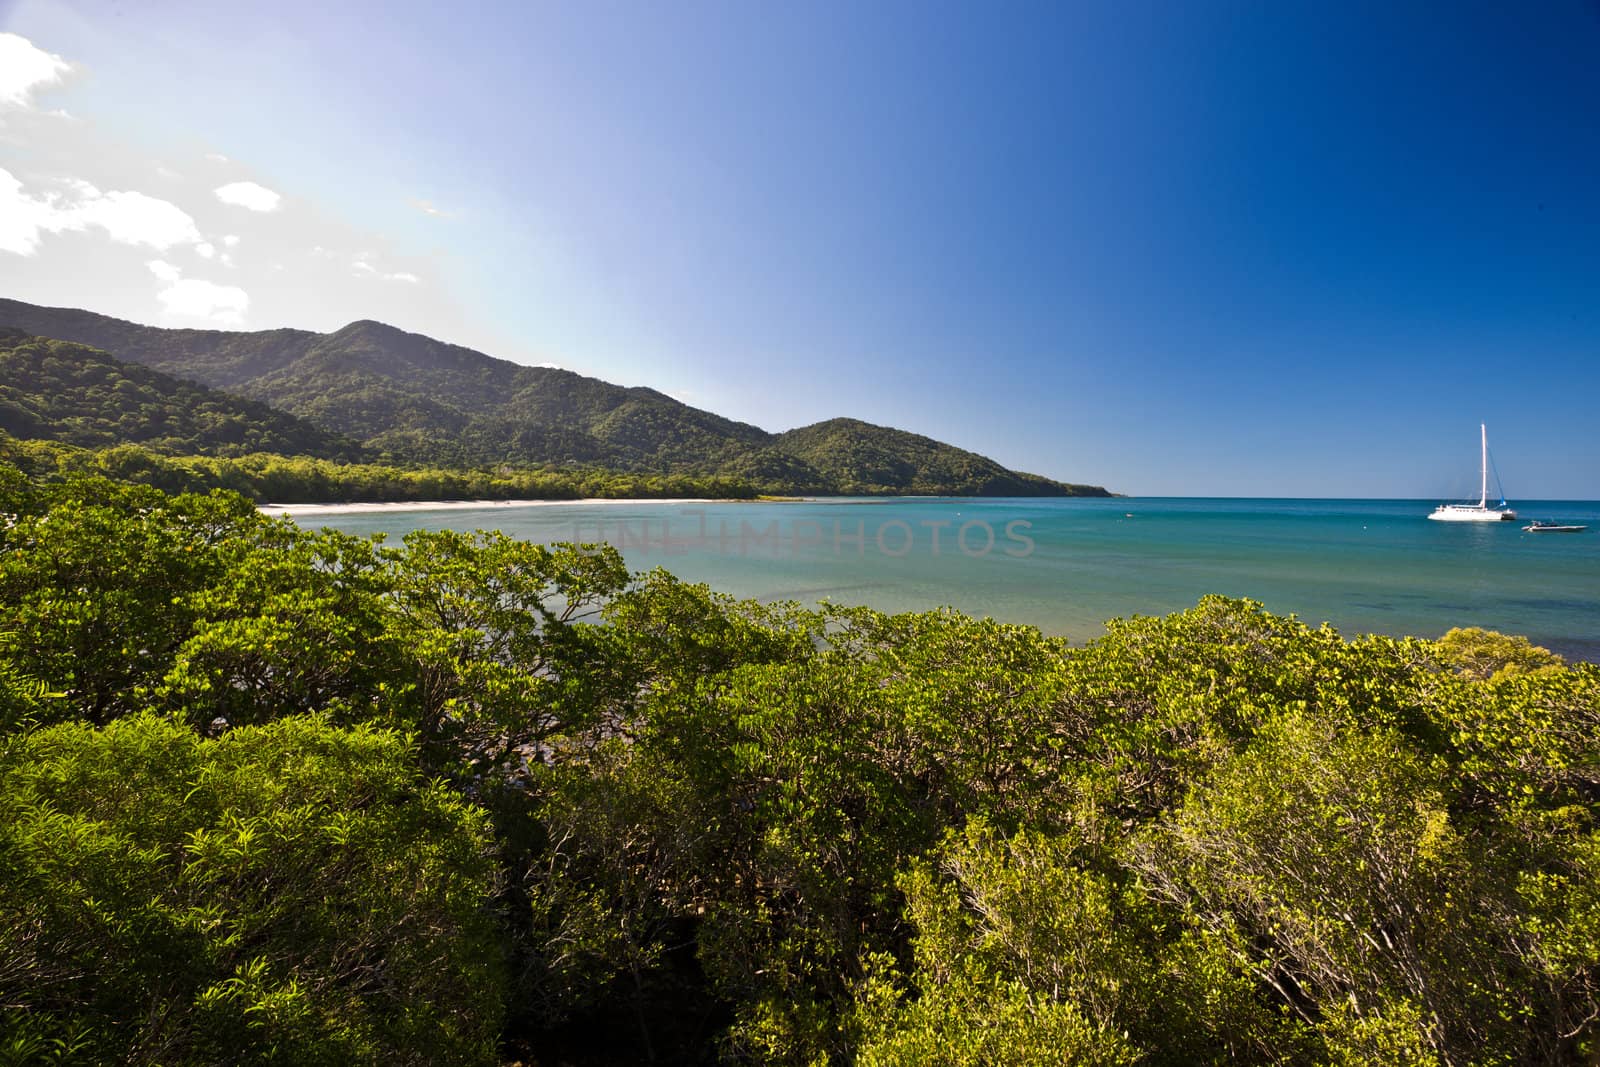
(1255, 249)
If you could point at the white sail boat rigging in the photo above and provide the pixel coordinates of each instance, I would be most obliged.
(1481, 511)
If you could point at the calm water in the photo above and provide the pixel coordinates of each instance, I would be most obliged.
(1067, 565)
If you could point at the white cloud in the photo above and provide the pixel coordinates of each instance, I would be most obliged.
(216, 157)
(136, 219)
(428, 207)
(363, 268)
(127, 217)
(25, 67)
(22, 218)
(550, 366)
(86, 210)
(164, 270)
(248, 195)
(196, 298)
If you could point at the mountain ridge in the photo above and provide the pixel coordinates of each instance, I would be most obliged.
(411, 398)
(74, 394)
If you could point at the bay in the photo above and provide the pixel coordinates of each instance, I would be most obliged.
(1067, 565)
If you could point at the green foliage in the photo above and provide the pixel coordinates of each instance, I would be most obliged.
(403, 802)
(1054, 922)
(1330, 864)
(296, 623)
(291, 894)
(1480, 653)
(974, 1019)
(91, 589)
(268, 478)
(1019, 958)
(499, 661)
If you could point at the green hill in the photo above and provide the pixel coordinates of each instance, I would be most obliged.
(412, 399)
(859, 457)
(59, 391)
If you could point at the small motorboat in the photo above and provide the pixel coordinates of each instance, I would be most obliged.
(1552, 527)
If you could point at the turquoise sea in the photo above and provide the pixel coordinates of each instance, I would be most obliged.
(1068, 565)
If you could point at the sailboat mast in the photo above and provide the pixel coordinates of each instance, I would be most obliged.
(1483, 466)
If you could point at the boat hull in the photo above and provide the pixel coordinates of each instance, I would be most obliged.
(1467, 513)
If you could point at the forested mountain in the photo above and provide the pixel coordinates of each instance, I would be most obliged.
(859, 457)
(71, 393)
(413, 399)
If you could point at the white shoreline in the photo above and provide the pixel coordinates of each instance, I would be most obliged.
(386, 507)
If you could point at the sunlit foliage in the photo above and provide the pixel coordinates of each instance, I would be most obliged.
(274, 795)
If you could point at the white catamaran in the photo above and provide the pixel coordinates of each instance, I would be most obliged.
(1481, 511)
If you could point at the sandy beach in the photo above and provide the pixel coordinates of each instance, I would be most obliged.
(398, 506)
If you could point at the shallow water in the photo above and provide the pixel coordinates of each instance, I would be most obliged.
(1068, 565)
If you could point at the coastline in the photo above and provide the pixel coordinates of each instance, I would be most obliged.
(1364, 566)
(399, 506)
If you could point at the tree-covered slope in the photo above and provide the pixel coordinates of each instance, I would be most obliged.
(418, 400)
(859, 457)
(59, 391)
(415, 397)
(222, 359)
